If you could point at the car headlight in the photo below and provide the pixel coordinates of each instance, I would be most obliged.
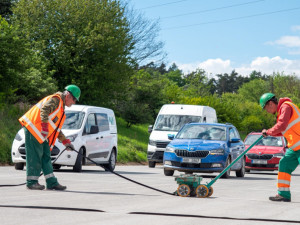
(170, 149)
(71, 137)
(279, 155)
(151, 142)
(219, 151)
(18, 137)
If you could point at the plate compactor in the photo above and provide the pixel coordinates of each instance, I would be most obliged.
(190, 185)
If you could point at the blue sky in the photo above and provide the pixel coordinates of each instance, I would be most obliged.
(221, 35)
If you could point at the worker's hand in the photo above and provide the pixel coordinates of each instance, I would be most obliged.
(45, 130)
(264, 132)
(69, 145)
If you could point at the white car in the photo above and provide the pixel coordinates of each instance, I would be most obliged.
(93, 132)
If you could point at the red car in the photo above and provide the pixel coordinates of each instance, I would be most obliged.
(265, 155)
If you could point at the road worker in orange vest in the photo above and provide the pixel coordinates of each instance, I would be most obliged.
(42, 125)
(288, 125)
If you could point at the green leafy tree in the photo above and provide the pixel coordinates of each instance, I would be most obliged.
(197, 84)
(5, 8)
(286, 86)
(12, 51)
(252, 90)
(87, 43)
(142, 99)
(229, 82)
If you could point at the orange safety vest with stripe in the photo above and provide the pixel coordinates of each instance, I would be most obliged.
(292, 132)
(32, 121)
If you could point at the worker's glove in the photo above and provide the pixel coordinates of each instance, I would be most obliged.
(68, 144)
(264, 133)
(45, 130)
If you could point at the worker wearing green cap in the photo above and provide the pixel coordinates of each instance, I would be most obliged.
(287, 125)
(42, 126)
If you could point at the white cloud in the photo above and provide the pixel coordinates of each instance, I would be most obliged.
(265, 65)
(295, 28)
(288, 41)
(216, 65)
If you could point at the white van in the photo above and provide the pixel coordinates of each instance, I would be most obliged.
(170, 119)
(93, 132)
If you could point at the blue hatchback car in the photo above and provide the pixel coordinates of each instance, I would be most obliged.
(205, 147)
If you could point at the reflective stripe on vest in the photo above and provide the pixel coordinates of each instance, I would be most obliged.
(52, 115)
(283, 189)
(284, 182)
(32, 120)
(294, 121)
(289, 133)
(37, 132)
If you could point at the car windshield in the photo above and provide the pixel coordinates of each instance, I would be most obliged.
(204, 132)
(267, 141)
(174, 122)
(73, 120)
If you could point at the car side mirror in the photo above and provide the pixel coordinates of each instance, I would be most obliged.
(235, 140)
(94, 129)
(171, 136)
(150, 128)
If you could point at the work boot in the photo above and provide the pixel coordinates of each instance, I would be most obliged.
(57, 188)
(36, 186)
(279, 198)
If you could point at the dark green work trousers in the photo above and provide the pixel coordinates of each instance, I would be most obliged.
(38, 158)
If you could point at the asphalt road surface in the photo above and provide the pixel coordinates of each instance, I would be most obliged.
(98, 197)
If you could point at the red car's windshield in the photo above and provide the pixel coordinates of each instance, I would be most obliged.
(267, 141)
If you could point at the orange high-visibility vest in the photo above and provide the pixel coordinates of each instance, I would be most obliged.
(292, 132)
(32, 121)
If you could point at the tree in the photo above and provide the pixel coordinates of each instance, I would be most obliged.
(252, 90)
(87, 43)
(145, 33)
(143, 97)
(229, 83)
(286, 86)
(5, 8)
(12, 51)
(197, 84)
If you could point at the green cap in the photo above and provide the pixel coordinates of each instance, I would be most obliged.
(74, 90)
(265, 98)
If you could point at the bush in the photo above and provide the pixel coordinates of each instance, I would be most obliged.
(9, 115)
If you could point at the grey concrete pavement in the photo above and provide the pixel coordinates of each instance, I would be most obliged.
(118, 201)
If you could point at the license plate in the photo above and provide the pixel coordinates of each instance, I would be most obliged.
(191, 160)
(259, 161)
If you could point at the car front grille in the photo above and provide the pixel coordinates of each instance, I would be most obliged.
(261, 165)
(55, 151)
(162, 144)
(158, 155)
(256, 156)
(191, 165)
(195, 154)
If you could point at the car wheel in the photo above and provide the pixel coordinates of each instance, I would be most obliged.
(227, 173)
(112, 162)
(78, 164)
(168, 172)
(56, 167)
(151, 164)
(19, 166)
(241, 172)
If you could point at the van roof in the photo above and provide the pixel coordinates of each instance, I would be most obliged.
(182, 109)
(85, 107)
